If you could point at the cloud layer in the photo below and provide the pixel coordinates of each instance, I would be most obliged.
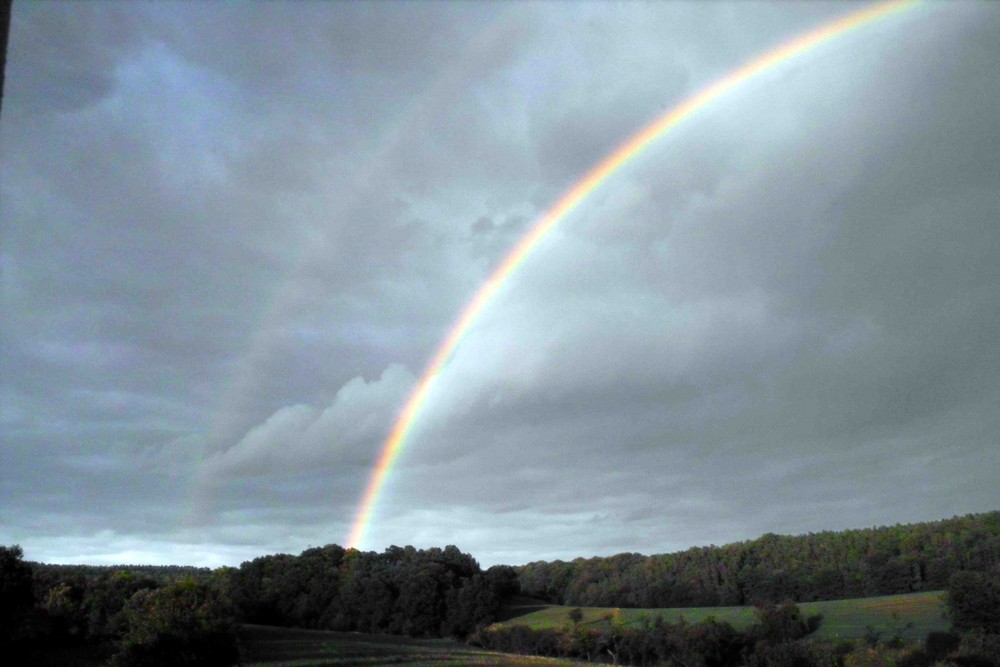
(233, 237)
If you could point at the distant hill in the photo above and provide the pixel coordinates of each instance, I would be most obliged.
(886, 560)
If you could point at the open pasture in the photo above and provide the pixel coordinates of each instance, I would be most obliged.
(911, 616)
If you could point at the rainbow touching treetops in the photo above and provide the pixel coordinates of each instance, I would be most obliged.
(620, 156)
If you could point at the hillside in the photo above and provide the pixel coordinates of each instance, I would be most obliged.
(910, 616)
(804, 568)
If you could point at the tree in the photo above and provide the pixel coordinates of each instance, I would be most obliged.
(183, 623)
(17, 596)
(779, 623)
(974, 601)
(105, 600)
(63, 604)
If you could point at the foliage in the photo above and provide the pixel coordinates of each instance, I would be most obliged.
(104, 601)
(63, 604)
(153, 618)
(183, 623)
(818, 566)
(798, 654)
(16, 594)
(869, 656)
(938, 645)
(706, 644)
(421, 593)
(710, 643)
(46, 573)
(60, 616)
(782, 636)
(974, 601)
(978, 648)
(783, 623)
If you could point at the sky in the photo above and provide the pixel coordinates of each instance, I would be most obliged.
(234, 235)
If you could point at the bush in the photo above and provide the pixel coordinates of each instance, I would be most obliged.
(940, 645)
(713, 643)
(786, 654)
(978, 649)
(872, 657)
(783, 623)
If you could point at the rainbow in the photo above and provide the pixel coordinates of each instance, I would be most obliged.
(396, 439)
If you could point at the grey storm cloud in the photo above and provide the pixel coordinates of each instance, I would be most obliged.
(234, 235)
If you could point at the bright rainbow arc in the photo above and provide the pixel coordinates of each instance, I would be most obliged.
(393, 444)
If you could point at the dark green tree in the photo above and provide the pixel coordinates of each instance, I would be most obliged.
(17, 596)
(974, 601)
(105, 599)
(183, 623)
(778, 623)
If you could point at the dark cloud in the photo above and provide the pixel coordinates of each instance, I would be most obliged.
(64, 62)
(233, 237)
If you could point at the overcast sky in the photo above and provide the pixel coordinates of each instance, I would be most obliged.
(234, 234)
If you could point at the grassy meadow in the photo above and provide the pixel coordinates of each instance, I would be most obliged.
(911, 616)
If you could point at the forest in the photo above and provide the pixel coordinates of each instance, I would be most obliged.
(774, 568)
(146, 615)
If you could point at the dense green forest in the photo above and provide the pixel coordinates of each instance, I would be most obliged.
(432, 592)
(773, 568)
(127, 614)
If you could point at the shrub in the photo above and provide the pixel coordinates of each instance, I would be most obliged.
(978, 649)
(808, 653)
(783, 622)
(871, 657)
(785, 654)
(940, 645)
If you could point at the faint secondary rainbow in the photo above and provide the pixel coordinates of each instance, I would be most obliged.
(393, 444)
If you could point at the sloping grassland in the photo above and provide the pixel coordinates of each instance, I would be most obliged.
(909, 616)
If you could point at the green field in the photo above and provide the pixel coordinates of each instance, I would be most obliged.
(912, 616)
(289, 647)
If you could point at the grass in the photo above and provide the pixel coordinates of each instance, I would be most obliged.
(911, 616)
(264, 646)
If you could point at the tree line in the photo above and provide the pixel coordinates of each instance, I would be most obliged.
(774, 568)
(417, 592)
(153, 616)
(55, 615)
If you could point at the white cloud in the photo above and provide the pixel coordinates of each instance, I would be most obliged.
(298, 437)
